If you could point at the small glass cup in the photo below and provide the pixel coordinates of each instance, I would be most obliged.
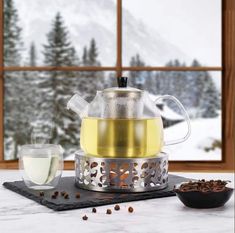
(41, 165)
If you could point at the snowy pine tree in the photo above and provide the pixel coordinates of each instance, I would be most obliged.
(12, 35)
(93, 54)
(189, 87)
(85, 57)
(32, 55)
(90, 81)
(92, 60)
(59, 52)
(137, 78)
(32, 92)
(149, 83)
(14, 120)
(210, 101)
(197, 82)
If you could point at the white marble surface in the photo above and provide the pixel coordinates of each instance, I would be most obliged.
(19, 214)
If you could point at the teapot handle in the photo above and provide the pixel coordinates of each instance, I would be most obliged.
(186, 117)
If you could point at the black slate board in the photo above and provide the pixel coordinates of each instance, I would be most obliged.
(88, 198)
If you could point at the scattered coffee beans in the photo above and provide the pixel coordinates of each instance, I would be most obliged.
(130, 209)
(109, 211)
(117, 207)
(85, 217)
(77, 195)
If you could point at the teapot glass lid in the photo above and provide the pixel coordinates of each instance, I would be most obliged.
(122, 90)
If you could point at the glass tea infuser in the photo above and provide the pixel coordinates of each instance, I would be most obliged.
(122, 122)
(122, 137)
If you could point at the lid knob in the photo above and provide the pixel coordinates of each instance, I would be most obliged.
(122, 81)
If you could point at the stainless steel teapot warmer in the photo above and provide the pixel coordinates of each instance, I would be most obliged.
(122, 140)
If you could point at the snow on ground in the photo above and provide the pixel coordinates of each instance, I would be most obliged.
(71, 156)
(204, 133)
(169, 114)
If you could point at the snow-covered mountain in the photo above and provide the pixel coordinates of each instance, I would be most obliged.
(95, 18)
(141, 38)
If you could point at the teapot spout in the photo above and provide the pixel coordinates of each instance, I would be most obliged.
(78, 105)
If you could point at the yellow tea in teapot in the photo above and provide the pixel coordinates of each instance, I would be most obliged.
(121, 138)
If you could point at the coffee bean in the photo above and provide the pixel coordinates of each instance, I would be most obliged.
(62, 193)
(53, 196)
(108, 211)
(93, 210)
(117, 207)
(66, 196)
(85, 217)
(130, 209)
(77, 195)
(41, 194)
(56, 193)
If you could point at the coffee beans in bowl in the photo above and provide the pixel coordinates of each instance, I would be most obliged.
(204, 194)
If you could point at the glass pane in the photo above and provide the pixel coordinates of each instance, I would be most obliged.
(35, 107)
(60, 32)
(168, 30)
(200, 93)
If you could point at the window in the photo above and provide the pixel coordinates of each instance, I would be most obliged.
(165, 47)
(200, 93)
(161, 31)
(80, 22)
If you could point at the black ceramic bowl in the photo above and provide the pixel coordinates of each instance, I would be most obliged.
(200, 200)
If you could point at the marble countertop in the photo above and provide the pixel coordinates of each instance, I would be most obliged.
(19, 214)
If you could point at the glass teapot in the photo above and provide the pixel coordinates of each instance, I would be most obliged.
(122, 122)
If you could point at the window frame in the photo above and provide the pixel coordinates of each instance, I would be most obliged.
(228, 90)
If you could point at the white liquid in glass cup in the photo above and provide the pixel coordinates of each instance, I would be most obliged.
(41, 165)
